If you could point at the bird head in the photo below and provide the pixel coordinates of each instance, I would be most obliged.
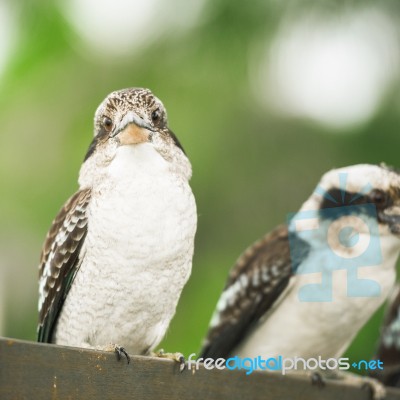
(360, 201)
(128, 120)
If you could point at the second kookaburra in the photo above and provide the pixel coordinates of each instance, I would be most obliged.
(120, 250)
(306, 289)
(388, 351)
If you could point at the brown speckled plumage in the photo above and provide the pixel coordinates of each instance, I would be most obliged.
(127, 231)
(59, 260)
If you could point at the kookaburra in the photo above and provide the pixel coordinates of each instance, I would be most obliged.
(119, 252)
(306, 288)
(389, 343)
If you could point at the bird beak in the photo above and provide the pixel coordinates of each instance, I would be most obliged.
(391, 216)
(133, 130)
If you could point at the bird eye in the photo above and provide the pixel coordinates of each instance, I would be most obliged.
(378, 197)
(156, 115)
(108, 124)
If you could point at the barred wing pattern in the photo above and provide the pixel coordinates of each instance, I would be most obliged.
(389, 343)
(60, 260)
(256, 281)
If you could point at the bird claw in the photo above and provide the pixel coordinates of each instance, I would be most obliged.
(317, 380)
(177, 357)
(377, 389)
(120, 351)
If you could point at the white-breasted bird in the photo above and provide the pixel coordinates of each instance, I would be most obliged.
(306, 289)
(388, 351)
(119, 252)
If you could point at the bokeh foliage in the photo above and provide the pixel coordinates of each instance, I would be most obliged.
(251, 167)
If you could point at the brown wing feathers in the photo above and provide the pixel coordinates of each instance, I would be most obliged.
(255, 282)
(60, 260)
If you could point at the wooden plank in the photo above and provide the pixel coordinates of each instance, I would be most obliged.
(31, 370)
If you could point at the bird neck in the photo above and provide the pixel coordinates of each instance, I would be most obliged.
(128, 162)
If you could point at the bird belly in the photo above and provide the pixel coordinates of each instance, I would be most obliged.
(310, 329)
(135, 261)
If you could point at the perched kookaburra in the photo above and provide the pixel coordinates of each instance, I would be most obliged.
(119, 252)
(389, 343)
(307, 288)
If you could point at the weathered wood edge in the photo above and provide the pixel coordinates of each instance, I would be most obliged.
(30, 370)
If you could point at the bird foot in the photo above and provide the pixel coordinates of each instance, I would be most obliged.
(178, 357)
(118, 350)
(377, 389)
(317, 380)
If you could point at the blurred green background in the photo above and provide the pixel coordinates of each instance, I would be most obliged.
(265, 96)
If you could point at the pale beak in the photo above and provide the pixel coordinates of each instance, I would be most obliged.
(134, 130)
